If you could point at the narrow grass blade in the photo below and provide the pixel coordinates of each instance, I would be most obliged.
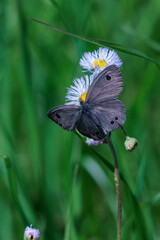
(140, 181)
(28, 98)
(153, 201)
(104, 43)
(101, 179)
(149, 42)
(6, 131)
(27, 217)
(103, 160)
(61, 15)
(69, 223)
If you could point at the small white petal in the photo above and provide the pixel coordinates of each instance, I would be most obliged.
(92, 142)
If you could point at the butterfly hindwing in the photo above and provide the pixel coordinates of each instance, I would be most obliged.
(65, 116)
(111, 114)
(107, 85)
(89, 126)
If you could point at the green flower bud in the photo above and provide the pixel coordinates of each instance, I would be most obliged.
(130, 144)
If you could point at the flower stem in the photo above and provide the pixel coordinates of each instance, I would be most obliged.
(117, 182)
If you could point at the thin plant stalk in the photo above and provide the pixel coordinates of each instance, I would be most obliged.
(117, 182)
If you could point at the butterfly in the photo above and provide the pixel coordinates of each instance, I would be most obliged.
(100, 113)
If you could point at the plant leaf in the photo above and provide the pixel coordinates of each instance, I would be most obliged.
(104, 43)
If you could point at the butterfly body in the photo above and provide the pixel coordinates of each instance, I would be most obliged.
(85, 107)
(100, 113)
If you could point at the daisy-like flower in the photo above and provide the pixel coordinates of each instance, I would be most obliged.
(31, 233)
(78, 91)
(100, 59)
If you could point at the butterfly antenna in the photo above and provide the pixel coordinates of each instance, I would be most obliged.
(124, 131)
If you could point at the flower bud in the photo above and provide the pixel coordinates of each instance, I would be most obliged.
(31, 233)
(130, 144)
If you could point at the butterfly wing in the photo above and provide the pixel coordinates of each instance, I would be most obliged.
(107, 85)
(65, 116)
(100, 112)
(90, 126)
(111, 114)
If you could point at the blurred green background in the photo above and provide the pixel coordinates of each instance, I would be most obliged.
(51, 178)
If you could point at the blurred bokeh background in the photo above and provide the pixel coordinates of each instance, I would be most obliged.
(50, 177)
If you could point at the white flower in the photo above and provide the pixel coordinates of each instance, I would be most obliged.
(31, 233)
(78, 91)
(100, 59)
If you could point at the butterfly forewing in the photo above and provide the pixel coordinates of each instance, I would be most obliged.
(111, 114)
(107, 85)
(65, 116)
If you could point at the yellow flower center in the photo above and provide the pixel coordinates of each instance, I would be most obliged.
(83, 96)
(100, 62)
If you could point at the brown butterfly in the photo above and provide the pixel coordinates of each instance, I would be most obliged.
(100, 113)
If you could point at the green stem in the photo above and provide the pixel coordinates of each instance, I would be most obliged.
(117, 182)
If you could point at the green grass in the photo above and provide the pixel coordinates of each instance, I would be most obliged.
(49, 177)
